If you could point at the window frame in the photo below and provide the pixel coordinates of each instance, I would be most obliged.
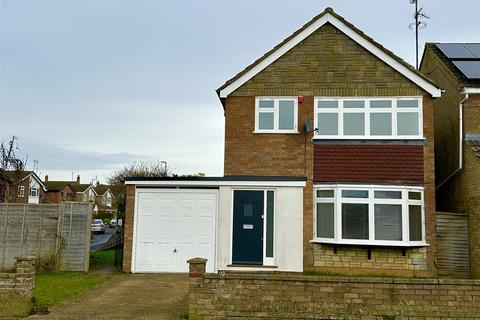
(31, 192)
(21, 191)
(367, 111)
(276, 111)
(338, 200)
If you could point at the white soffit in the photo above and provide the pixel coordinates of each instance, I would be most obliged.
(328, 17)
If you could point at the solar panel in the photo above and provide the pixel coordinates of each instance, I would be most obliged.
(455, 51)
(471, 69)
(473, 48)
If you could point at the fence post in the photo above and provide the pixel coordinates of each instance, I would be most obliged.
(197, 267)
(196, 270)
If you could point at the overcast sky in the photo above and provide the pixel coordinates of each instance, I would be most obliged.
(89, 85)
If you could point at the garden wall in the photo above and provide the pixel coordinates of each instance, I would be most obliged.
(16, 289)
(57, 234)
(291, 296)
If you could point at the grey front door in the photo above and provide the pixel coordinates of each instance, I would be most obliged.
(248, 206)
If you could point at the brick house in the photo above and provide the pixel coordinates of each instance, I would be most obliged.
(456, 68)
(25, 187)
(84, 192)
(329, 166)
(58, 191)
(104, 200)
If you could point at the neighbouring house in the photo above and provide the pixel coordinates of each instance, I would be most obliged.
(329, 167)
(58, 191)
(84, 192)
(456, 68)
(104, 200)
(25, 187)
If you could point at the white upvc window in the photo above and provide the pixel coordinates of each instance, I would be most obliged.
(276, 115)
(21, 191)
(33, 192)
(369, 215)
(368, 118)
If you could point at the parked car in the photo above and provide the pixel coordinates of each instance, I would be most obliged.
(113, 223)
(98, 226)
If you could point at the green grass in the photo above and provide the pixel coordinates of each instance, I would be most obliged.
(54, 287)
(102, 259)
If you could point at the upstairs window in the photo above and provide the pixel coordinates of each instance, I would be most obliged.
(368, 118)
(21, 191)
(366, 215)
(276, 115)
(33, 192)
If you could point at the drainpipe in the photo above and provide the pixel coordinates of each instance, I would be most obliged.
(460, 140)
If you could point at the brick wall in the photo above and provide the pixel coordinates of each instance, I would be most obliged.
(382, 261)
(289, 296)
(16, 289)
(128, 228)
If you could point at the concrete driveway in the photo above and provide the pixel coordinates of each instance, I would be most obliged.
(142, 296)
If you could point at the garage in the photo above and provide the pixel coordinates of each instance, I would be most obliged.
(236, 223)
(172, 226)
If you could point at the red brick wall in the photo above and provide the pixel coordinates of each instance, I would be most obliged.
(376, 163)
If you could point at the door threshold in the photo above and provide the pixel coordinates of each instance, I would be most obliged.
(239, 265)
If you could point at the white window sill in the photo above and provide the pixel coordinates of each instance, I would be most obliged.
(366, 138)
(276, 131)
(372, 243)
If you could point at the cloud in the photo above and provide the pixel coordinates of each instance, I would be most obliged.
(60, 157)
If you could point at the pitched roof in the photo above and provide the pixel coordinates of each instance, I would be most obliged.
(23, 175)
(449, 62)
(329, 16)
(101, 189)
(80, 187)
(56, 185)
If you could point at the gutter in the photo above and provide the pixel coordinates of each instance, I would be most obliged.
(465, 92)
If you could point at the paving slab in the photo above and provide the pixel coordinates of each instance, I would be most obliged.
(128, 296)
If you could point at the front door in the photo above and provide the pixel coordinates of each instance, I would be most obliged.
(248, 206)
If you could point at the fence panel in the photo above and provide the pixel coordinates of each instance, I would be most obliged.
(452, 245)
(42, 230)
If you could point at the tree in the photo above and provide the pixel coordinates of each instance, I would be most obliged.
(132, 169)
(11, 163)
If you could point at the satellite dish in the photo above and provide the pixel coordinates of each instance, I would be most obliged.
(308, 126)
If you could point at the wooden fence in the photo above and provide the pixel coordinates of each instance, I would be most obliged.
(57, 234)
(452, 245)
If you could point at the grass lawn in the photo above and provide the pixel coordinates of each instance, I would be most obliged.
(54, 287)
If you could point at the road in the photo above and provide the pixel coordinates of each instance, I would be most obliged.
(100, 238)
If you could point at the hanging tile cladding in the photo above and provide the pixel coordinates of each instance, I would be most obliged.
(375, 163)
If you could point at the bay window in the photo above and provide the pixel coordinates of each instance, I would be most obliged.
(276, 114)
(368, 118)
(369, 215)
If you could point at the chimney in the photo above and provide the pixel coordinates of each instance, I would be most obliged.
(78, 179)
(46, 178)
(98, 183)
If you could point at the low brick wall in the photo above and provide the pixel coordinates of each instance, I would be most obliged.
(293, 296)
(16, 289)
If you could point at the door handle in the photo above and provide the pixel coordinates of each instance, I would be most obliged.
(175, 250)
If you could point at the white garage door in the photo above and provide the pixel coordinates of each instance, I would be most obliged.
(172, 226)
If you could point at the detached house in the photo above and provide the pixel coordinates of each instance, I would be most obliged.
(58, 191)
(84, 192)
(329, 166)
(104, 200)
(456, 67)
(25, 187)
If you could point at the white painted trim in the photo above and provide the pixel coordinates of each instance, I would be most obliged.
(276, 114)
(367, 111)
(328, 17)
(219, 183)
(338, 200)
(471, 90)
